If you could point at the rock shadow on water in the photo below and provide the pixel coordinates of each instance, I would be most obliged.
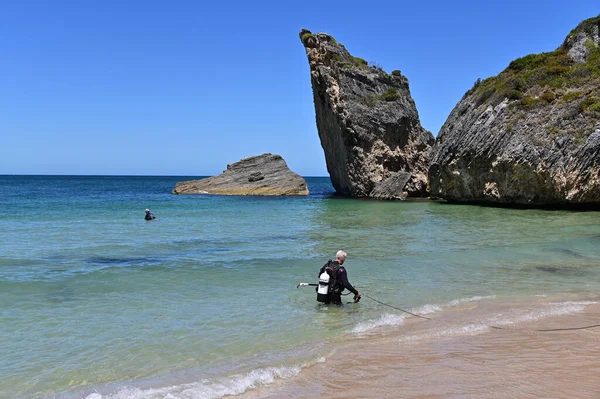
(133, 261)
(549, 269)
(550, 207)
(275, 238)
(205, 245)
(568, 252)
(220, 246)
(62, 294)
(197, 241)
(110, 261)
(566, 271)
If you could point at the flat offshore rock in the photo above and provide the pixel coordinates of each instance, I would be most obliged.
(266, 174)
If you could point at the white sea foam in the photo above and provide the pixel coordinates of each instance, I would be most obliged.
(395, 320)
(385, 320)
(554, 309)
(457, 302)
(582, 303)
(427, 309)
(469, 329)
(208, 389)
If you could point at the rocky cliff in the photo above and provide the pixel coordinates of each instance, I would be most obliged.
(530, 135)
(368, 124)
(265, 174)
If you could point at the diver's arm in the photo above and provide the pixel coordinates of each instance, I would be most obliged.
(344, 280)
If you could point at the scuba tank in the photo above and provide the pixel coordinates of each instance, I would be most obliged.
(323, 288)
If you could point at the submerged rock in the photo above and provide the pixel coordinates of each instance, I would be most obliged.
(529, 136)
(265, 174)
(367, 122)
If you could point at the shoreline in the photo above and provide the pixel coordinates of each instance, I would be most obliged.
(462, 359)
(456, 354)
(574, 207)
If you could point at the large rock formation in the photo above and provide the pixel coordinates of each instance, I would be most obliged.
(265, 174)
(530, 135)
(367, 122)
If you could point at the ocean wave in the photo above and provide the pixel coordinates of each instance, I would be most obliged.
(553, 309)
(458, 302)
(428, 309)
(519, 316)
(395, 320)
(210, 389)
(577, 303)
(385, 320)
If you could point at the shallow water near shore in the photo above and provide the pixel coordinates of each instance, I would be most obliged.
(202, 303)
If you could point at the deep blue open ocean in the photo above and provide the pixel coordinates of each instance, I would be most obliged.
(96, 302)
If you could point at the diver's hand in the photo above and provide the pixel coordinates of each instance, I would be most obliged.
(357, 297)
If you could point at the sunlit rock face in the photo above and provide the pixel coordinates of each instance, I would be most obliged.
(529, 136)
(368, 124)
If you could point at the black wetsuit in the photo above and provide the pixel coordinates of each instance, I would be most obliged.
(149, 216)
(341, 283)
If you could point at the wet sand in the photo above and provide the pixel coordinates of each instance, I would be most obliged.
(458, 355)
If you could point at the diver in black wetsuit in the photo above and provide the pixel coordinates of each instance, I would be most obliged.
(149, 216)
(338, 279)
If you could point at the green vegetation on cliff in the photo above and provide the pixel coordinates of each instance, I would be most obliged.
(542, 79)
(305, 36)
(588, 26)
(335, 55)
(391, 94)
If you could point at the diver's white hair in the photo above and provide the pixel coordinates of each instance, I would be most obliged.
(341, 255)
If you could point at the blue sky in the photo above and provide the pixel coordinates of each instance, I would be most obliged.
(186, 87)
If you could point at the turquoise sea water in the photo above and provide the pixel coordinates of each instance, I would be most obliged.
(201, 303)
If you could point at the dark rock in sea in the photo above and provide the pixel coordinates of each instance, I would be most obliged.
(367, 122)
(568, 252)
(566, 271)
(529, 136)
(549, 269)
(265, 174)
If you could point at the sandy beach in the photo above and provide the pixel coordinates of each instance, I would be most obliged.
(459, 356)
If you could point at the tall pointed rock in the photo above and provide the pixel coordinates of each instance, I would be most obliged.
(368, 124)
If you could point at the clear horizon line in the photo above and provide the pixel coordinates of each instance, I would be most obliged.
(118, 175)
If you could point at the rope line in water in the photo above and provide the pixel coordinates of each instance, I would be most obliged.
(393, 307)
(544, 330)
(567, 329)
(490, 326)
